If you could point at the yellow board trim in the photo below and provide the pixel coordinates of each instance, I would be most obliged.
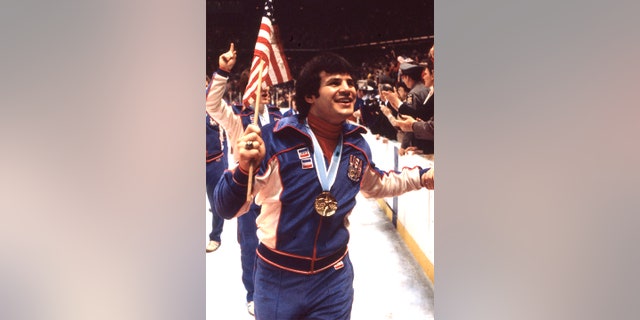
(385, 207)
(423, 261)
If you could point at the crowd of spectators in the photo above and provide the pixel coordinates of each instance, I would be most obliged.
(369, 66)
(372, 71)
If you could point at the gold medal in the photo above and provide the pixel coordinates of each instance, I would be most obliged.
(326, 205)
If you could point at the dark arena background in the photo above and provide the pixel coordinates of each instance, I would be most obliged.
(369, 34)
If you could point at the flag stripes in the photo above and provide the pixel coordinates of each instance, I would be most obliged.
(269, 50)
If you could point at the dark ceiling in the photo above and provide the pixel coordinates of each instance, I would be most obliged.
(308, 26)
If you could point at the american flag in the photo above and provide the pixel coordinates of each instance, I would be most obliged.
(269, 50)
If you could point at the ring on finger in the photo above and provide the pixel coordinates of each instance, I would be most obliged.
(248, 145)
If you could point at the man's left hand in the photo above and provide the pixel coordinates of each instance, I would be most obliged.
(427, 179)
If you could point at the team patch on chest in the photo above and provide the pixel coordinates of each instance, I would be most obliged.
(355, 168)
(305, 158)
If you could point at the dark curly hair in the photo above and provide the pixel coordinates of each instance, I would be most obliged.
(308, 82)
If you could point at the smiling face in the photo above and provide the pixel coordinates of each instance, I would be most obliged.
(336, 98)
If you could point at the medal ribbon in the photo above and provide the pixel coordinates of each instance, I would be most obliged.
(326, 176)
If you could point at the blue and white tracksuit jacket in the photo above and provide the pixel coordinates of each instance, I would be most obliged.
(286, 186)
(234, 120)
(217, 163)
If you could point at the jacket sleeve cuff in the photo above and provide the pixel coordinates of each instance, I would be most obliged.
(240, 176)
(223, 73)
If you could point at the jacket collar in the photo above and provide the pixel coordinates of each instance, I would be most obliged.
(292, 123)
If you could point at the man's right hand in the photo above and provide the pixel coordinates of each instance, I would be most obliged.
(227, 60)
(250, 147)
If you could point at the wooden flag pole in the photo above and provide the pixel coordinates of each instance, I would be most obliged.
(255, 122)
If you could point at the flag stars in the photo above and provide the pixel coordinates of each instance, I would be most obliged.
(268, 8)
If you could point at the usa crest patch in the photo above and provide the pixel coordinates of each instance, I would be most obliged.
(355, 168)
